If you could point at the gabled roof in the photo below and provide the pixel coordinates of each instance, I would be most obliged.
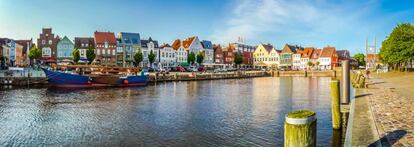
(291, 48)
(279, 51)
(144, 42)
(129, 38)
(207, 44)
(102, 37)
(176, 44)
(307, 52)
(316, 53)
(217, 48)
(84, 40)
(328, 51)
(187, 42)
(268, 47)
(165, 45)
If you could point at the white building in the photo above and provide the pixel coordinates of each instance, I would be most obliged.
(325, 59)
(167, 56)
(305, 59)
(148, 46)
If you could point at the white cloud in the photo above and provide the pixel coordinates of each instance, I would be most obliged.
(287, 19)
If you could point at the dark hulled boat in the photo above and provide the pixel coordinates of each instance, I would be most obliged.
(117, 76)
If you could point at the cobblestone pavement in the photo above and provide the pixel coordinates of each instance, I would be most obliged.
(393, 113)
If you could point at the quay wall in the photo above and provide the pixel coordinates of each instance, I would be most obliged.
(325, 73)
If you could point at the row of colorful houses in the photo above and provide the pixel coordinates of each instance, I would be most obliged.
(295, 57)
(119, 49)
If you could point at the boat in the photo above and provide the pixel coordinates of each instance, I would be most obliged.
(94, 76)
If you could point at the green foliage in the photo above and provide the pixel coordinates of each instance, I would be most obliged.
(34, 53)
(138, 57)
(317, 63)
(90, 55)
(200, 58)
(151, 57)
(75, 55)
(360, 58)
(310, 63)
(398, 47)
(191, 58)
(238, 58)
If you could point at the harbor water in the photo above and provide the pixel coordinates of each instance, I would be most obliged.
(231, 112)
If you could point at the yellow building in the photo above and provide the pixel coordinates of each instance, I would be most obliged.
(266, 55)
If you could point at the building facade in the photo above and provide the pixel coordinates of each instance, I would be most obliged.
(83, 44)
(180, 52)
(47, 43)
(228, 56)
(64, 49)
(265, 55)
(286, 57)
(105, 48)
(305, 61)
(247, 52)
(328, 59)
(218, 54)
(148, 46)
(128, 46)
(208, 52)
(167, 56)
(27, 45)
(343, 55)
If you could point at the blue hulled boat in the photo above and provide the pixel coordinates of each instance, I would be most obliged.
(91, 79)
(60, 79)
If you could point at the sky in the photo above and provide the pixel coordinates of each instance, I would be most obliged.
(344, 24)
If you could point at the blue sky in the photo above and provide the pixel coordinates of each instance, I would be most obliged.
(344, 24)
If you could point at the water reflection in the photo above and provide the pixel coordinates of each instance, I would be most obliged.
(244, 112)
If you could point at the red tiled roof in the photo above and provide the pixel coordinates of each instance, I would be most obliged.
(328, 51)
(102, 37)
(316, 54)
(176, 44)
(307, 52)
(187, 42)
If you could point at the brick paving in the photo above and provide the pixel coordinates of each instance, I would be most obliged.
(393, 113)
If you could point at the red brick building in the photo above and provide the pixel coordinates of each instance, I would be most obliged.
(228, 55)
(47, 43)
(218, 54)
(105, 48)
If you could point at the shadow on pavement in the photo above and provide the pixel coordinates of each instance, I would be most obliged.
(389, 139)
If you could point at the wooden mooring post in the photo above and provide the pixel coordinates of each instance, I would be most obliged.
(300, 129)
(336, 110)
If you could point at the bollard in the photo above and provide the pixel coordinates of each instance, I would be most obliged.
(300, 129)
(336, 110)
(345, 82)
(306, 73)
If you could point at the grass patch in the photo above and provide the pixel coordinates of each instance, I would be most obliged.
(301, 114)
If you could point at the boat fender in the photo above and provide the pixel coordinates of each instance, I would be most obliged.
(126, 82)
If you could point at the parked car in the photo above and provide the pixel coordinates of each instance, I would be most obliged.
(202, 69)
(191, 69)
(180, 69)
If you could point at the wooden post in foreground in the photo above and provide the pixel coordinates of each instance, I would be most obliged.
(345, 82)
(300, 129)
(336, 110)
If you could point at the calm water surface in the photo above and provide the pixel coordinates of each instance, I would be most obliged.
(242, 112)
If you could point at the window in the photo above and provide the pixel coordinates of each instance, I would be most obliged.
(98, 51)
(106, 44)
(103, 52)
(43, 42)
(113, 52)
(50, 42)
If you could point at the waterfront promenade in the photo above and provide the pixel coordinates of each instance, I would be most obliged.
(384, 112)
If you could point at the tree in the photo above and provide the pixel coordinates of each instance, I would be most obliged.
(90, 54)
(138, 57)
(200, 58)
(238, 59)
(317, 65)
(75, 55)
(310, 64)
(398, 48)
(34, 53)
(191, 58)
(151, 57)
(360, 58)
